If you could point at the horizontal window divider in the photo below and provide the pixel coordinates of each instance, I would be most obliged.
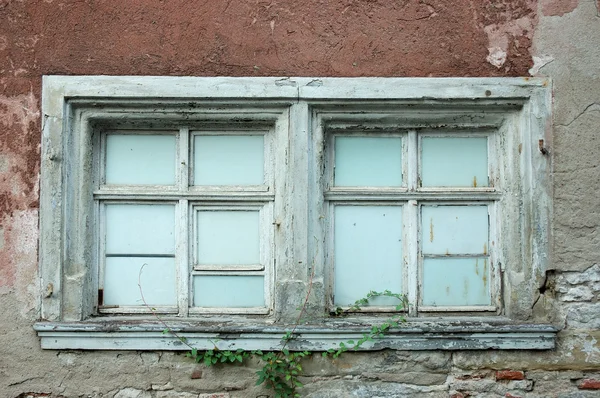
(419, 196)
(228, 311)
(141, 309)
(141, 255)
(174, 196)
(423, 334)
(456, 255)
(237, 272)
(469, 308)
(459, 190)
(228, 267)
(141, 189)
(369, 309)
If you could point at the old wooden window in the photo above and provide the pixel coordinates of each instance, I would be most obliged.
(413, 211)
(224, 201)
(165, 240)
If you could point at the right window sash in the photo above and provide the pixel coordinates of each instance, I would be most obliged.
(414, 211)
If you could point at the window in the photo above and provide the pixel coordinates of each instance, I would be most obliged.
(185, 222)
(413, 211)
(218, 202)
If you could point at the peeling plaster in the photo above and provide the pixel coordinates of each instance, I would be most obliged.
(558, 8)
(539, 63)
(18, 258)
(591, 350)
(501, 35)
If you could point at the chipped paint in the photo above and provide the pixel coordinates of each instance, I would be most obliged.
(431, 229)
(558, 8)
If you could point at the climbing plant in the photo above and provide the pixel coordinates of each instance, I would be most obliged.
(282, 369)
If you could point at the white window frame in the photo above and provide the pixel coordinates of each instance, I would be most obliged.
(301, 112)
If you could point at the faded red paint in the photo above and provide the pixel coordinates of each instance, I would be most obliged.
(558, 7)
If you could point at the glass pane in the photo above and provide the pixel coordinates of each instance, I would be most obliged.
(140, 229)
(228, 237)
(366, 161)
(229, 291)
(122, 281)
(454, 229)
(140, 159)
(368, 252)
(456, 281)
(457, 162)
(229, 160)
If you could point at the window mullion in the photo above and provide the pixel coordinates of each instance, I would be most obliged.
(411, 218)
(412, 166)
(182, 237)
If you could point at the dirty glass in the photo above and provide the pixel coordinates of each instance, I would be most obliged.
(125, 276)
(140, 229)
(222, 291)
(229, 160)
(454, 229)
(139, 238)
(454, 162)
(368, 161)
(228, 237)
(367, 252)
(140, 159)
(456, 281)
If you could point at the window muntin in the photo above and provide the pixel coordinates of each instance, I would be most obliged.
(158, 240)
(447, 181)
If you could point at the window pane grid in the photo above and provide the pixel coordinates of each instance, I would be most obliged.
(476, 278)
(121, 191)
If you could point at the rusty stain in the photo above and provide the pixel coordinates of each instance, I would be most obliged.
(485, 272)
(474, 181)
(476, 266)
(488, 93)
(520, 148)
(485, 249)
(431, 229)
(447, 252)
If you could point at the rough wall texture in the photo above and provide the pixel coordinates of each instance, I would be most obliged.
(555, 38)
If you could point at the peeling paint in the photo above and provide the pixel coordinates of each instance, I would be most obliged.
(558, 8)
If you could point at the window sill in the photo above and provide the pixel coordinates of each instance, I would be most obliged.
(418, 334)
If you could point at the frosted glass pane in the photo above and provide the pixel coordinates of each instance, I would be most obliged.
(366, 161)
(454, 229)
(229, 291)
(456, 281)
(228, 237)
(457, 162)
(368, 252)
(140, 159)
(140, 229)
(122, 276)
(229, 160)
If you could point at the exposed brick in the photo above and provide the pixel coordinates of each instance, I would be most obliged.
(457, 395)
(510, 375)
(509, 395)
(196, 374)
(589, 384)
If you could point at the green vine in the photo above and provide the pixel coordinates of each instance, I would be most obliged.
(281, 369)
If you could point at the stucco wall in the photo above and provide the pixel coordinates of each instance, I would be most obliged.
(554, 38)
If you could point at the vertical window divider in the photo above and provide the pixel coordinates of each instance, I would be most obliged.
(182, 253)
(412, 222)
(411, 236)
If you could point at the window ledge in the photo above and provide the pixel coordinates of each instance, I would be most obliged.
(414, 335)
